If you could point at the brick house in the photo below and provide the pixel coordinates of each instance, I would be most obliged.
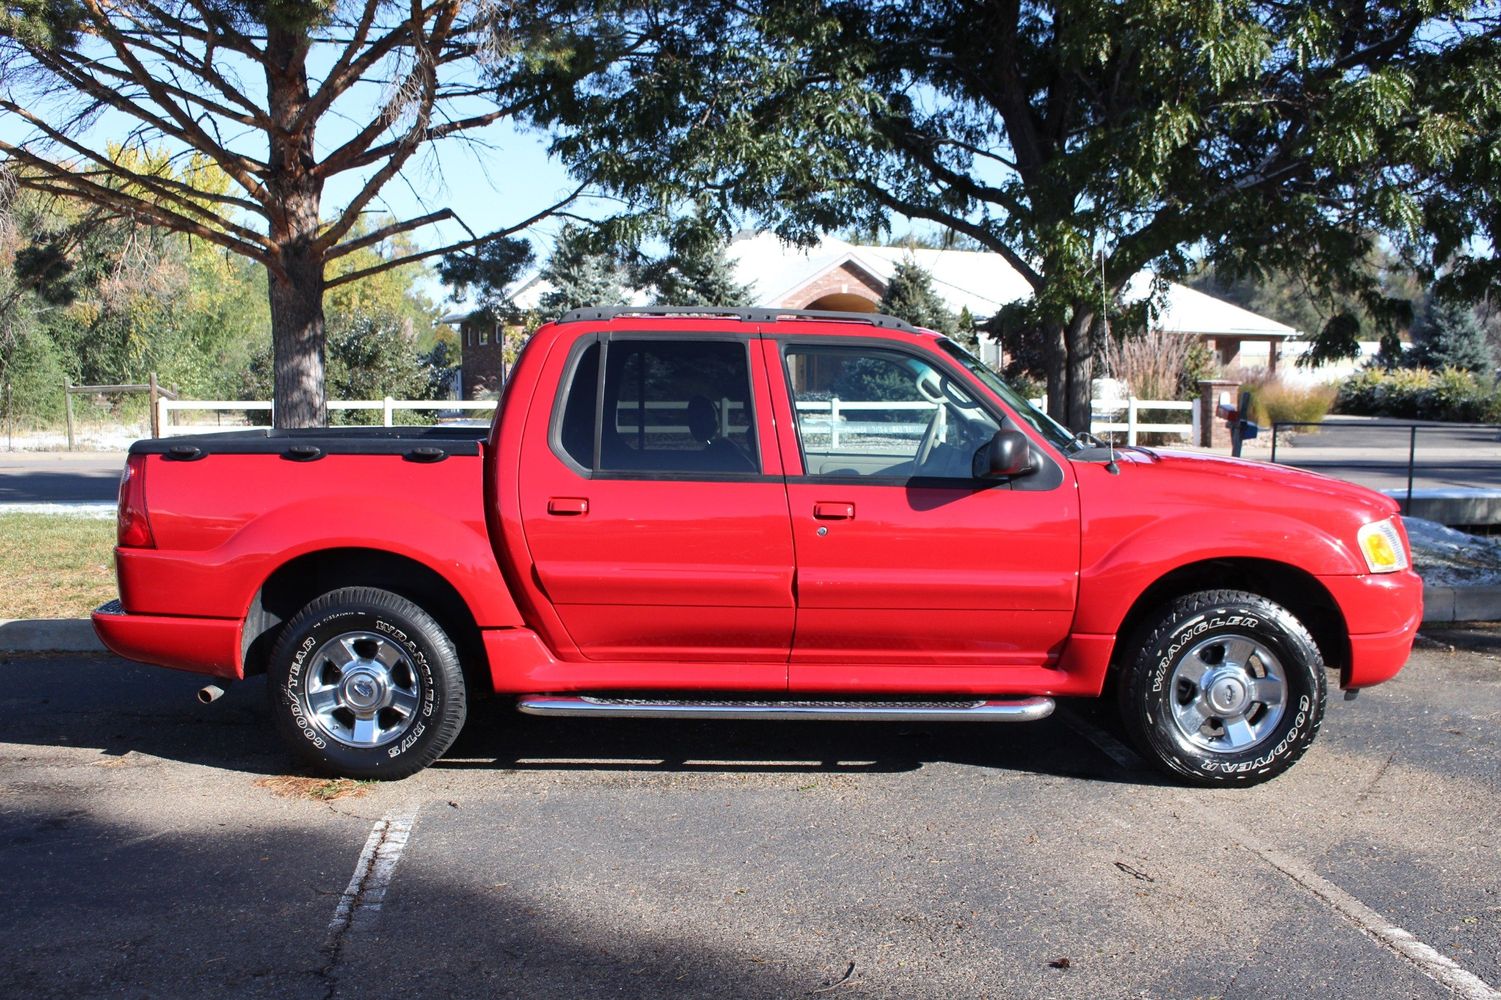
(852, 278)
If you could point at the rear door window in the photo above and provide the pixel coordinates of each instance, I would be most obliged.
(668, 407)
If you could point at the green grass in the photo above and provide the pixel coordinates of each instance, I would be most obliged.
(55, 566)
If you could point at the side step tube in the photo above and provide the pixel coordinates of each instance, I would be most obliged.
(965, 710)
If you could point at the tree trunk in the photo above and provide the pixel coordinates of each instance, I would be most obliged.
(1079, 349)
(1070, 359)
(297, 341)
(296, 276)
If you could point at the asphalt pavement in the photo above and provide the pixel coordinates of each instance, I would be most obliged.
(143, 855)
(59, 476)
(1375, 453)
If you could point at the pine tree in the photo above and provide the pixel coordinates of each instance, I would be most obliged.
(910, 296)
(1449, 337)
(699, 275)
(581, 275)
(966, 332)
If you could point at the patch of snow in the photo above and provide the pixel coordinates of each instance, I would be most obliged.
(1444, 557)
(92, 511)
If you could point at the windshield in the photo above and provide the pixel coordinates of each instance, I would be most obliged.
(1045, 425)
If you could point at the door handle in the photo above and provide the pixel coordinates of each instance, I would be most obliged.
(567, 506)
(830, 510)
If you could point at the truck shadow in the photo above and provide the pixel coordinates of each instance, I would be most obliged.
(120, 707)
(495, 738)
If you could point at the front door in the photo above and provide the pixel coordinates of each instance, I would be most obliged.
(656, 514)
(911, 572)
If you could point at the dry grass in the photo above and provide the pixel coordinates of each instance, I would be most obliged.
(314, 789)
(1150, 364)
(55, 566)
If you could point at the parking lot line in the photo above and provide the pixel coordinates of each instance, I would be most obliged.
(1102, 741)
(1428, 960)
(362, 898)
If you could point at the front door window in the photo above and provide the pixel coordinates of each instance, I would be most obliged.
(883, 415)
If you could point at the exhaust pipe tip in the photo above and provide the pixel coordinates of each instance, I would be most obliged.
(210, 693)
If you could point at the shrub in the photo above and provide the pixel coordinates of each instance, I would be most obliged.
(1272, 401)
(1155, 365)
(1420, 394)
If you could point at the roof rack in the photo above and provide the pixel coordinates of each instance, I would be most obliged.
(755, 314)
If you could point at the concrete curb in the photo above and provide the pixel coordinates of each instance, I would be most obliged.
(49, 635)
(1462, 604)
(76, 635)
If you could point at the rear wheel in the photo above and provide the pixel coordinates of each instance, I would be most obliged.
(365, 684)
(1224, 687)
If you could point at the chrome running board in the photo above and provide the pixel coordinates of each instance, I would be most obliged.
(956, 710)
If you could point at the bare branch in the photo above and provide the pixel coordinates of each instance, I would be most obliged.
(188, 128)
(410, 258)
(423, 75)
(337, 83)
(378, 153)
(384, 232)
(58, 181)
(167, 187)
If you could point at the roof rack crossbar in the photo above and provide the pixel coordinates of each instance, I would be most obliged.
(754, 314)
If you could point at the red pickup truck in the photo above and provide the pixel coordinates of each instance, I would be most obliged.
(756, 514)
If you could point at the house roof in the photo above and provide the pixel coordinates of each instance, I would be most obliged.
(979, 281)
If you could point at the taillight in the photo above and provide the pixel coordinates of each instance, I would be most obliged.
(134, 529)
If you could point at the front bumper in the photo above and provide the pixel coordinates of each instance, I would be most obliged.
(1382, 614)
(200, 645)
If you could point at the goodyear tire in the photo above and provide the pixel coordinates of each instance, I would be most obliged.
(1223, 688)
(365, 684)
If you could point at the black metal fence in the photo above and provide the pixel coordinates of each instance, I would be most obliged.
(1389, 438)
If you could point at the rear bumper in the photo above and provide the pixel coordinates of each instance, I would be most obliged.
(200, 645)
(1382, 613)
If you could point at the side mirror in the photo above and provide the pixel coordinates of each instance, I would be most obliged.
(1007, 454)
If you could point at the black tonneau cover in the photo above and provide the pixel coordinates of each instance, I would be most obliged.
(418, 444)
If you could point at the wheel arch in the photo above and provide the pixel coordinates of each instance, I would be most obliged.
(298, 581)
(1295, 589)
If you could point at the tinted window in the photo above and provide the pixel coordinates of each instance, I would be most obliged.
(670, 406)
(577, 430)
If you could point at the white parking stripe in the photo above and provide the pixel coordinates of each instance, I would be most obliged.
(1103, 741)
(366, 891)
(1429, 961)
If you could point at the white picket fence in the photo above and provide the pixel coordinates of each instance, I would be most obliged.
(832, 417)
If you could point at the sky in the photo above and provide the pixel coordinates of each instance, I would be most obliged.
(503, 178)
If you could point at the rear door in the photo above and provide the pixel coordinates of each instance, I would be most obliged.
(911, 572)
(656, 515)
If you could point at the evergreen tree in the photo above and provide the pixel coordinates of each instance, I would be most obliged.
(697, 274)
(966, 333)
(486, 272)
(1449, 337)
(581, 275)
(910, 296)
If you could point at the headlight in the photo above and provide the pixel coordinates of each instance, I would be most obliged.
(1381, 544)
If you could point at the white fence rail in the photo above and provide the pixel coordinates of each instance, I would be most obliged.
(387, 406)
(830, 417)
(1105, 418)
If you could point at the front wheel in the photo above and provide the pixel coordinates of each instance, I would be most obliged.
(1223, 687)
(365, 684)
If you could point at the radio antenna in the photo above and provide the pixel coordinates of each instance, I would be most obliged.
(1110, 466)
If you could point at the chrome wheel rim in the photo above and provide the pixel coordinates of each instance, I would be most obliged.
(361, 690)
(1228, 694)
